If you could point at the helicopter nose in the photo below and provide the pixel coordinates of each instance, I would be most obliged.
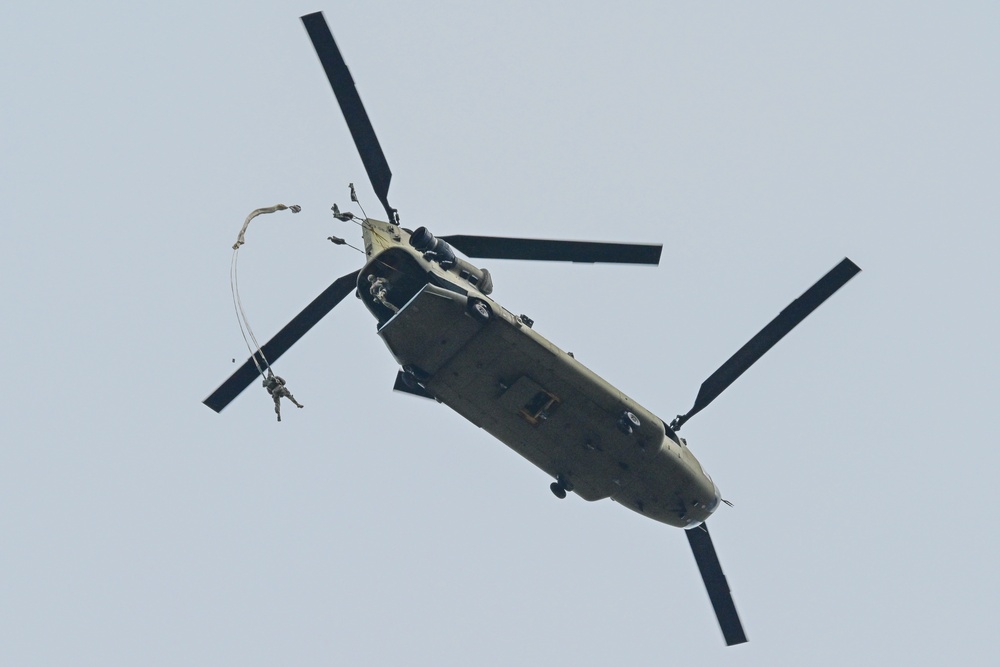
(713, 504)
(700, 510)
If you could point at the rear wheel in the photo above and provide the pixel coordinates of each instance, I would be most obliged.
(628, 423)
(558, 490)
(480, 310)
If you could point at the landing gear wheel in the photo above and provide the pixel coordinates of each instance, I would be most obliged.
(628, 423)
(480, 310)
(558, 490)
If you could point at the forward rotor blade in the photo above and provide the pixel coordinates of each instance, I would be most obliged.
(716, 584)
(787, 320)
(350, 104)
(283, 340)
(497, 247)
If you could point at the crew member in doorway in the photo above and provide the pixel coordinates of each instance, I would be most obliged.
(378, 290)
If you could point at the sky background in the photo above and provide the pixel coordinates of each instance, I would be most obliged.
(759, 142)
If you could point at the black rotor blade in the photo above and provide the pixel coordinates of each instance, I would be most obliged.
(283, 340)
(350, 104)
(787, 320)
(497, 247)
(716, 584)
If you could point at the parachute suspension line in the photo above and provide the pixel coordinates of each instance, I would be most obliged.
(339, 241)
(354, 198)
(241, 315)
(363, 223)
(350, 217)
(234, 286)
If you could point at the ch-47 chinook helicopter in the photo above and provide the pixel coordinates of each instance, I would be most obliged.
(458, 346)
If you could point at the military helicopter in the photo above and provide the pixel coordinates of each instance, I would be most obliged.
(459, 347)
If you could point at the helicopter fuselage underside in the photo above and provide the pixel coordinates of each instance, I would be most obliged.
(501, 375)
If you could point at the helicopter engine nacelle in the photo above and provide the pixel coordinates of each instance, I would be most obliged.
(433, 249)
(436, 250)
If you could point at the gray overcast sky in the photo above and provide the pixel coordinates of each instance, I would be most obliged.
(760, 142)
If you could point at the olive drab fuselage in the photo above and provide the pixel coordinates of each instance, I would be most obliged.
(465, 350)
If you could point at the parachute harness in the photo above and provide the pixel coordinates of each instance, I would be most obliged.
(248, 335)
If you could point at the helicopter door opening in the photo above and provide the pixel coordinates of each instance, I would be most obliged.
(389, 281)
(530, 400)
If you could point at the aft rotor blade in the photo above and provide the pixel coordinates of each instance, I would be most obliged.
(716, 584)
(497, 247)
(350, 104)
(284, 339)
(787, 320)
